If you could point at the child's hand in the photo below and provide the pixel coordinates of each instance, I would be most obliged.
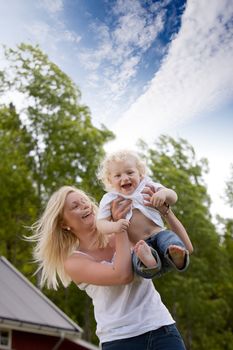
(153, 198)
(158, 198)
(121, 225)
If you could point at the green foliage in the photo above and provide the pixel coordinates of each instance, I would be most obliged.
(229, 188)
(194, 297)
(18, 199)
(67, 147)
(52, 142)
(226, 287)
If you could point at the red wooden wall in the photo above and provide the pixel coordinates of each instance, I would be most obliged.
(33, 341)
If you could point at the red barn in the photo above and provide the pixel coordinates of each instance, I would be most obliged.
(29, 320)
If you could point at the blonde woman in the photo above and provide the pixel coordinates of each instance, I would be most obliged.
(69, 247)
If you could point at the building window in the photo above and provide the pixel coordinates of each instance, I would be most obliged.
(5, 339)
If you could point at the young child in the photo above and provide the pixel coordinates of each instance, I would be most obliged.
(156, 249)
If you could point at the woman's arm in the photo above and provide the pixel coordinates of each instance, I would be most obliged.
(84, 269)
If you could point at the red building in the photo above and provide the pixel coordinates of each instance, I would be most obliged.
(29, 320)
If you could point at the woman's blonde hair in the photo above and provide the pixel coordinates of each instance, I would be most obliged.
(54, 243)
(122, 155)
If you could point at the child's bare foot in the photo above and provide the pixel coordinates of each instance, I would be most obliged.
(143, 252)
(177, 255)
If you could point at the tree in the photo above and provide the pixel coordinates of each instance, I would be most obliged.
(229, 188)
(63, 147)
(67, 147)
(227, 250)
(18, 199)
(195, 296)
(227, 286)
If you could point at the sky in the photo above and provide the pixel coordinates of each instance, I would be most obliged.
(144, 68)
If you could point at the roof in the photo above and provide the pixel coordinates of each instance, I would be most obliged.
(24, 305)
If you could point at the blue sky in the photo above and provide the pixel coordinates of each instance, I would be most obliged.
(143, 67)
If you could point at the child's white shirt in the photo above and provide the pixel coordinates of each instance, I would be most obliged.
(137, 203)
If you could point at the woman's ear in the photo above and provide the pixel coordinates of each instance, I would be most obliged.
(65, 227)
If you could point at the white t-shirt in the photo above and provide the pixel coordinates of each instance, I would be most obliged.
(126, 311)
(137, 202)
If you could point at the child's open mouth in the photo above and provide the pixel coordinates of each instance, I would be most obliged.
(126, 186)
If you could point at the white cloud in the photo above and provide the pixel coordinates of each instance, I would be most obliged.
(195, 76)
(71, 37)
(40, 32)
(21, 21)
(121, 47)
(52, 6)
(117, 57)
(136, 26)
(194, 79)
(50, 34)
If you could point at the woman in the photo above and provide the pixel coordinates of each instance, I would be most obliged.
(128, 310)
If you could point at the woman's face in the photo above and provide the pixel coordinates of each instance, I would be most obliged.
(78, 213)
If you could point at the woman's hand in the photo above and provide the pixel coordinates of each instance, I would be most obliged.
(147, 193)
(120, 207)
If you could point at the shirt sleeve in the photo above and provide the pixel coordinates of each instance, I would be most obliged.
(155, 185)
(104, 210)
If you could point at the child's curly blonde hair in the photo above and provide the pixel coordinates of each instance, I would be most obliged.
(118, 156)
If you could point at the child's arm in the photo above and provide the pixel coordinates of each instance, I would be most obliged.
(169, 216)
(163, 195)
(106, 226)
(176, 226)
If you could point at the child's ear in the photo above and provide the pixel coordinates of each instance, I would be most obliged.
(109, 179)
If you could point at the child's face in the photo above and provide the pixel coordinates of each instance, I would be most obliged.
(124, 176)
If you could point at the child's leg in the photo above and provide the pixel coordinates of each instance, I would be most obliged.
(146, 261)
(171, 250)
(177, 255)
(144, 253)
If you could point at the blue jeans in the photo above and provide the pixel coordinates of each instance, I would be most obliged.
(164, 338)
(159, 244)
